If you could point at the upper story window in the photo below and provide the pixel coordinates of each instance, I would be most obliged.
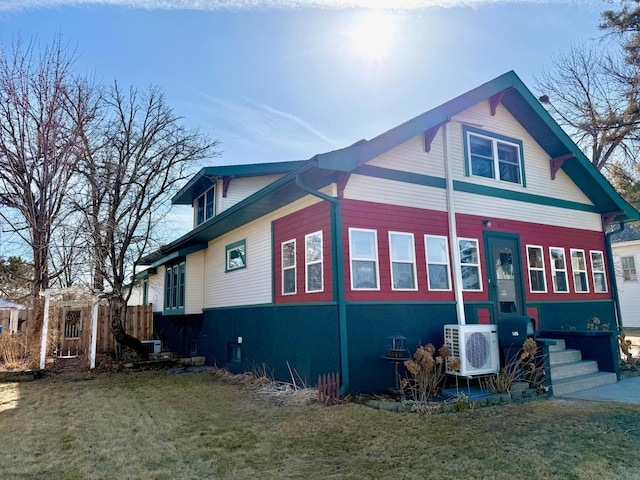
(205, 206)
(629, 269)
(403, 261)
(363, 248)
(174, 283)
(495, 156)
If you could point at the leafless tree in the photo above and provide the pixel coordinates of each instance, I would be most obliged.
(131, 169)
(43, 107)
(588, 93)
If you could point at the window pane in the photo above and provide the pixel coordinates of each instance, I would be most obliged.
(437, 251)
(481, 167)
(314, 247)
(314, 277)
(183, 274)
(401, 247)
(200, 217)
(468, 251)
(209, 206)
(288, 254)
(364, 274)
(509, 172)
(600, 282)
(403, 276)
(236, 257)
(289, 281)
(557, 257)
(480, 146)
(535, 257)
(362, 244)
(536, 278)
(470, 278)
(438, 277)
(508, 153)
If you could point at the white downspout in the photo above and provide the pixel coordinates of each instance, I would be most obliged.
(453, 230)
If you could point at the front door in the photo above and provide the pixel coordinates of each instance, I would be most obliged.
(504, 270)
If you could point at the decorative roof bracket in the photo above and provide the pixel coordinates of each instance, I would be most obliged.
(609, 217)
(496, 99)
(342, 181)
(226, 181)
(429, 135)
(556, 163)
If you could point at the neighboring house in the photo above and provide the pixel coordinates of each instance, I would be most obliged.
(310, 267)
(13, 316)
(626, 253)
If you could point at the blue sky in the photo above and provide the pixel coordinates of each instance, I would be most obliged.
(286, 79)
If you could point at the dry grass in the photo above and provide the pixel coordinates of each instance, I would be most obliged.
(153, 425)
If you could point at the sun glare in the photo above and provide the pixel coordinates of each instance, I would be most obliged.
(372, 37)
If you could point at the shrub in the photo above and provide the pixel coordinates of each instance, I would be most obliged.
(521, 367)
(427, 372)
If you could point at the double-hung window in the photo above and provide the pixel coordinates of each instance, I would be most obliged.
(174, 282)
(470, 264)
(629, 269)
(559, 270)
(403, 261)
(363, 248)
(598, 271)
(579, 267)
(537, 277)
(493, 156)
(205, 206)
(313, 262)
(437, 254)
(289, 267)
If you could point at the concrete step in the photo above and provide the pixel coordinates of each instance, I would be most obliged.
(582, 382)
(564, 356)
(559, 343)
(573, 369)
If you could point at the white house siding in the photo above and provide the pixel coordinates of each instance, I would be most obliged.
(393, 192)
(156, 290)
(239, 189)
(193, 282)
(537, 168)
(628, 291)
(251, 285)
(411, 157)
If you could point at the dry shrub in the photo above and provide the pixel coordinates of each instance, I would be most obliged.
(12, 351)
(521, 367)
(427, 370)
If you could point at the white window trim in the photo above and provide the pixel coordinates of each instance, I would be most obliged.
(447, 263)
(212, 191)
(537, 269)
(574, 270)
(314, 262)
(553, 269)
(291, 267)
(594, 271)
(375, 260)
(412, 262)
(496, 159)
(475, 240)
(634, 278)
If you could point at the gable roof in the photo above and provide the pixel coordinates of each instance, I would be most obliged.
(324, 168)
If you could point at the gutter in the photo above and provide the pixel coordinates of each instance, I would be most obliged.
(612, 275)
(338, 276)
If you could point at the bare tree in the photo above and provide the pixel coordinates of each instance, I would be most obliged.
(589, 94)
(131, 171)
(43, 107)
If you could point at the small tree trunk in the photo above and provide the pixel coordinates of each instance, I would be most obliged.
(118, 313)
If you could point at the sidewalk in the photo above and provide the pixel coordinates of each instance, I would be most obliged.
(625, 391)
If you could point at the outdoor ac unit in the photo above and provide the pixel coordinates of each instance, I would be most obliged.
(476, 346)
(153, 346)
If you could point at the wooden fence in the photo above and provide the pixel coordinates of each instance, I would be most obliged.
(70, 326)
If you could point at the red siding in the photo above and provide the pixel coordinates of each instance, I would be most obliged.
(296, 226)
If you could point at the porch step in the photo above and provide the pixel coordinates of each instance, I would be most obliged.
(567, 355)
(573, 369)
(567, 385)
(569, 373)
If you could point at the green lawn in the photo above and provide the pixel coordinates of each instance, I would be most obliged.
(154, 425)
